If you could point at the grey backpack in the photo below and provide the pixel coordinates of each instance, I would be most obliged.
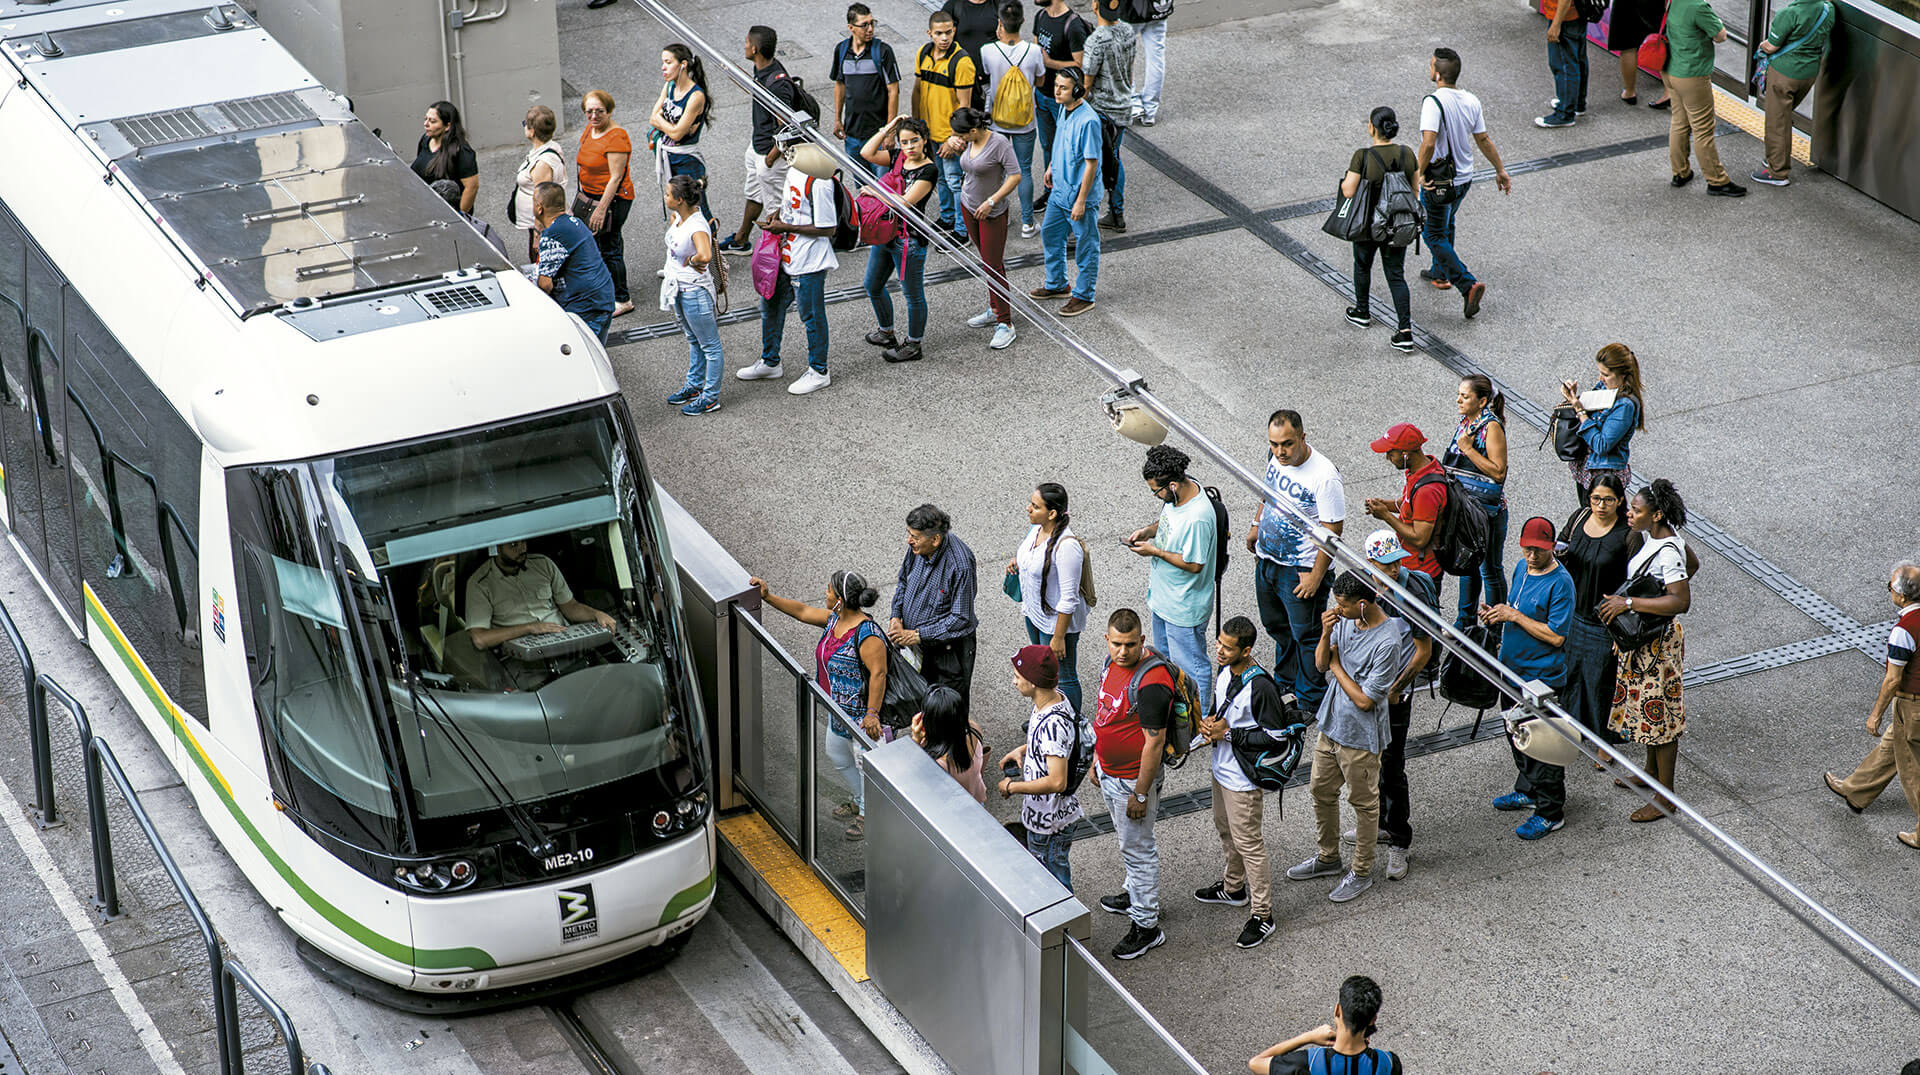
(1397, 219)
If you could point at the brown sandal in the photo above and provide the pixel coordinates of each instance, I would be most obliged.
(1629, 782)
(1649, 812)
(1911, 839)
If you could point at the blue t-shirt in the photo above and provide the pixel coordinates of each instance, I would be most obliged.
(568, 256)
(1184, 598)
(1076, 140)
(1547, 598)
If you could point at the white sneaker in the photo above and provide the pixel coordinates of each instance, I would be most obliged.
(1028, 231)
(1397, 858)
(760, 371)
(982, 319)
(1003, 337)
(811, 381)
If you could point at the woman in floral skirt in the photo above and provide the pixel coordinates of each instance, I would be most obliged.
(1648, 705)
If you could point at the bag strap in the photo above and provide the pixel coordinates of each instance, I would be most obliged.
(1825, 11)
(1579, 518)
(1443, 140)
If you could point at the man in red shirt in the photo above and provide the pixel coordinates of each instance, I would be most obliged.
(1416, 516)
(1128, 743)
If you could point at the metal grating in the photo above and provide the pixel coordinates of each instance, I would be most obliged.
(271, 110)
(163, 128)
(456, 300)
(208, 121)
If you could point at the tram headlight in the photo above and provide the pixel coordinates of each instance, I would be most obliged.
(436, 877)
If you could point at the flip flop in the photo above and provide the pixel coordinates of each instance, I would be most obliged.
(1911, 839)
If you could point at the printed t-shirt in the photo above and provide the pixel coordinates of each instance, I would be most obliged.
(866, 76)
(985, 168)
(1183, 598)
(1119, 735)
(1300, 1062)
(1691, 28)
(1548, 599)
(1060, 36)
(1108, 63)
(809, 203)
(1424, 507)
(997, 58)
(592, 161)
(465, 164)
(1464, 120)
(1049, 735)
(936, 95)
(533, 594)
(1314, 488)
(1374, 658)
(570, 258)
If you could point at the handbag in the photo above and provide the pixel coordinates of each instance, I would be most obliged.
(1653, 50)
(766, 264)
(1762, 61)
(1352, 216)
(1631, 630)
(1442, 170)
(1564, 430)
(906, 692)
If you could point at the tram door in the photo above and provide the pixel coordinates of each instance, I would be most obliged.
(17, 427)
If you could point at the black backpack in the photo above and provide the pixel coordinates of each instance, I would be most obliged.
(1268, 754)
(804, 101)
(1222, 542)
(846, 216)
(1397, 219)
(1460, 534)
(1590, 10)
(1463, 684)
(1080, 761)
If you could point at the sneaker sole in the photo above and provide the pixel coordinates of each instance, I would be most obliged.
(1151, 945)
(759, 377)
(1291, 876)
(701, 411)
(1360, 324)
(1077, 313)
(1109, 910)
(1406, 347)
(1224, 903)
(1242, 944)
(1003, 346)
(1347, 899)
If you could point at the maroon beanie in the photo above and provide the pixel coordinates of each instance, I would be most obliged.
(1038, 666)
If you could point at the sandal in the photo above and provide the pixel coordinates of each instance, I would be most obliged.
(1649, 812)
(1911, 839)
(1629, 782)
(845, 810)
(858, 829)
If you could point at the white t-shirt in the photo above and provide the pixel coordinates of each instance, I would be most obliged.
(999, 58)
(681, 249)
(1314, 487)
(809, 204)
(1063, 582)
(1669, 560)
(1050, 734)
(1226, 768)
(1464, 120)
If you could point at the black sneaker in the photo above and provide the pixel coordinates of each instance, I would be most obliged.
(1114, 221)
(1681, 180)
(1120, 904)
(1138, 942)
(1357, 316)
(1403, 339)
(1257, 930)
(1729, 189)
(882, 337)
(1218, 892)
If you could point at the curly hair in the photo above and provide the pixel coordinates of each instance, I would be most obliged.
(1663, 498)
(1165, 464)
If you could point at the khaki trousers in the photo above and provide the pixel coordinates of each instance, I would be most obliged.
(1359, 770)
(1236, 816)
(1897, 752)
(1693, 120)
(1783, 96)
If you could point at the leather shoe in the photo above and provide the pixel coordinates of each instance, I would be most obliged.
(1834, 786)
(1682, 180)
(597, 4)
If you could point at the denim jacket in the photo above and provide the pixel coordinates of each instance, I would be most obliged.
(1608, 432)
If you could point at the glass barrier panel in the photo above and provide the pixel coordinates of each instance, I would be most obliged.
(768, 736)
(839, 817)
(1107, 1032)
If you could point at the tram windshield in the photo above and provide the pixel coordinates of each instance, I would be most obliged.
(513, 599)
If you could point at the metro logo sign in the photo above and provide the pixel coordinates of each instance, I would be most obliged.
(579, 918)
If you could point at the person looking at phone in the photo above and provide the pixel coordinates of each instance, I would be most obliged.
(1180, 579)
(1608, 431)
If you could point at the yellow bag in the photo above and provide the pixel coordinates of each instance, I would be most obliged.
(1013, 100)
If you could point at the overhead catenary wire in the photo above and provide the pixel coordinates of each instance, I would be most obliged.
(1534, 698)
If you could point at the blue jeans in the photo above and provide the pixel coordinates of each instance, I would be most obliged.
(1113, 170)
(812, 289)
(1153, 52)
(598, 322)
(1138, 852)
(883, 263)
(951, 174)
(1051, 849)
(1294, 626)
(678, 164)
(852, 146)
(1492, 571)
(1023, 152)
(1439, 235)
(1186, 647)
(1069, 666)
(1567, 59)
(845, 757)
(1046, 113)
(694, 311)
(1086, 234)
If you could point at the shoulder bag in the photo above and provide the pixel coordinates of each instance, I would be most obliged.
(1631, 630)
(1761, 60)
(1653, 50)
(1441, 168)
(1563, 428)
(1352, 216)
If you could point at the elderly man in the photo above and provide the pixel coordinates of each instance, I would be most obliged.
(1898, 751)
(933, 605)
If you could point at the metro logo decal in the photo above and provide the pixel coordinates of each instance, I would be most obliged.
(578, 917)
(219, 615)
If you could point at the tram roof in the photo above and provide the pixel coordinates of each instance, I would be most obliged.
(262, 177)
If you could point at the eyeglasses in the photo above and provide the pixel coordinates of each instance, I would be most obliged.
(594, 111)
(867, 25)
(1603, 500)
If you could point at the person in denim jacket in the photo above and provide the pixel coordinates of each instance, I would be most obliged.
(1608, 434)
(1478, 458)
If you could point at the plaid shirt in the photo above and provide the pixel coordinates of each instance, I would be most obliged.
(935, 596)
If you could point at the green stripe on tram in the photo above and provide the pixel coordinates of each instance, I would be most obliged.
(435, 959)
(683, 900)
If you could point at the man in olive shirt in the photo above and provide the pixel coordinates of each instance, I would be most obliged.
(1795, 45)
(1692, 31)
(516, 593)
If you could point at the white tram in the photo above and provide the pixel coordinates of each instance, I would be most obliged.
(268, 406)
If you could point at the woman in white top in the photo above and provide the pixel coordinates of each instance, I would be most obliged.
(545, 163)
(689, 285)
(1051, 566)
(1648, 706)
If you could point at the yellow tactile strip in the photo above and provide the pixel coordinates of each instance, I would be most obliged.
(1754, 122)
(796, 886)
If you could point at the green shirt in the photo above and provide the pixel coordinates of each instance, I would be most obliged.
(1183, 598)
(1691, 28)
(1791, 26)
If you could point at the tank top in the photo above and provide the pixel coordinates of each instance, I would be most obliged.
(676, 107)
(838, 668)
(1483, 488)
(523, 180)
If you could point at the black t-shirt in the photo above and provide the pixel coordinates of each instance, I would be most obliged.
(1598, 565)
(930, 172)
(1374, 162)
(1371, 1062)
(974, 26)
(1061, 36)
(465, 164)
(765, 125)
(866, 77)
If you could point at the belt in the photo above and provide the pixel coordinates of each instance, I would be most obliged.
(1907, 696)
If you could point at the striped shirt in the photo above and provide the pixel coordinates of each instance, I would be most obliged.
(1900, 647)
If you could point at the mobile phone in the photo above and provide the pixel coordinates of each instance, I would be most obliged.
(1012, 770)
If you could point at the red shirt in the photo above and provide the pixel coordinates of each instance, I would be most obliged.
(1117, 734)
(1423, 507)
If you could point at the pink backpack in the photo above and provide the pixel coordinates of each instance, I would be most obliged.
(766, 264)
(878, 224)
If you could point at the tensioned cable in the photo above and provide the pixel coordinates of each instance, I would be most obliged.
(1535, 698)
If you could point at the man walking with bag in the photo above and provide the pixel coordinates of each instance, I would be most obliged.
(1451, 124)
(1245, 698)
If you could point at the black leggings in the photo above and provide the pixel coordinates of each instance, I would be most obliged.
(1394, 262)
(612, 245)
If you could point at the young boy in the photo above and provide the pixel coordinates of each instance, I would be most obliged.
(1347, 1035)
(1048, 811)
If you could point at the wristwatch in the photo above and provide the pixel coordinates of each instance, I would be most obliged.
(1629, 604)
(1139, 798)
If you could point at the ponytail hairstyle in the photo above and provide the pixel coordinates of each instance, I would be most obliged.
(698, 70)
(1384, 121)
(686, 189)
(853, 590)
(1054, 496)
(943, 721)
(1618, 358)
(1662, 497)
(967, 120)
(1483, 387)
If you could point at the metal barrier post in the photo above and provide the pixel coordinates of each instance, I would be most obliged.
(803, 749)
(36, 727)
(235, 971)
(106, 895)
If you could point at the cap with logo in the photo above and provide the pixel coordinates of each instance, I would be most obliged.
(1404, 436)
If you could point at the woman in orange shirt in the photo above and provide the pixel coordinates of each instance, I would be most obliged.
(606, 188)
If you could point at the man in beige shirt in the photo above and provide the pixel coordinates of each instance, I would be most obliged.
(516, 593)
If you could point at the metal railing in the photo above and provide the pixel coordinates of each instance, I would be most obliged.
(101, 767)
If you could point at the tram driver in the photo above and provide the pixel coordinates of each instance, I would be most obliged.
(517, 593)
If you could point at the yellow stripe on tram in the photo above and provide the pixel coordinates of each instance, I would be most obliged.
(131, 658)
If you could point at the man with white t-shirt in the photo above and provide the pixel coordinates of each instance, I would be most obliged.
(1451, 124)
(1244, 698)
(1290, 579)
(804, 222)
(1007, 52)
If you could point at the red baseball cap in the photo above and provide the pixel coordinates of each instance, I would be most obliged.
(1537, 534)
(1400, 438)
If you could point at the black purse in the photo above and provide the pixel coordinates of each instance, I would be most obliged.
(906, 692)
(1352, 217)
(1564, 430)
(1441, 169)
(1632, 630)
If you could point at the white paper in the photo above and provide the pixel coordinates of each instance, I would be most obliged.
(1598, 399)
